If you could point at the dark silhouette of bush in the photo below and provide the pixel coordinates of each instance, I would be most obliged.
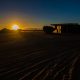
(5, 30)
(48, 29)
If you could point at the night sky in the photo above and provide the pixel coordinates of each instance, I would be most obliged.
(37, 13)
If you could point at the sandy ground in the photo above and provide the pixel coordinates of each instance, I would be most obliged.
(39, 56)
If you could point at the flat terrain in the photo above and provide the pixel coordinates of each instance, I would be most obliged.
(39, 56)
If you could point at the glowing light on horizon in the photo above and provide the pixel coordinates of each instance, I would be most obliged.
(15, 27)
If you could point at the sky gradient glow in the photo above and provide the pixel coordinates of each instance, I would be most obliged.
(37, 13)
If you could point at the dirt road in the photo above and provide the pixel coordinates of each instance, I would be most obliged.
(38, 56)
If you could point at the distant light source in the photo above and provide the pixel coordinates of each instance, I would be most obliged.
(15, 27)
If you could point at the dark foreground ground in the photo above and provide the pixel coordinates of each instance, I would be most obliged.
(38, 56)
